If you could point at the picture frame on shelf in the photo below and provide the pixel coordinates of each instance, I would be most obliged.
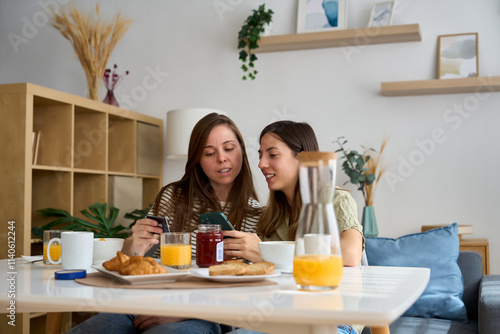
(382, 14)
(321, 15)
(458, 56)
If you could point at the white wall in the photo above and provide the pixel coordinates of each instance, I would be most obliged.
(194, 48)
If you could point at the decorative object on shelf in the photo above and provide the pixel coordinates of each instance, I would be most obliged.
(111, 79)
(458, 57)
(365, 172)
(102, 225)
(321, 15)
(249, 36)
(36, 146)
(180, 123)
(93, 40)
(382, 14)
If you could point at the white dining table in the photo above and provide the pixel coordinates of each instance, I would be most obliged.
(372, 296)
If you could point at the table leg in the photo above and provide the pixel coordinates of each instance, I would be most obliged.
(53, 323)
(381, 330)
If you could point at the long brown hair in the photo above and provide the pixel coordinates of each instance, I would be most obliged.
(195, 185)
(298, 137)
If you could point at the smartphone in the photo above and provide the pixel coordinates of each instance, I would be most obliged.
(217, 218)
(162, 222)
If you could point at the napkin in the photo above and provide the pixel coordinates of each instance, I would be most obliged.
(32, 259)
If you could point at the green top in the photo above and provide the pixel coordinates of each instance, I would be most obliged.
(346, 212)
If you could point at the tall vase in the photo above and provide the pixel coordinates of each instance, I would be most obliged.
(369, 222)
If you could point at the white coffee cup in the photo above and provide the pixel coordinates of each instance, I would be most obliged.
(77, 249)
(318, 244)
(280, 253)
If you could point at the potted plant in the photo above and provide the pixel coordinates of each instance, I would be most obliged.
(101, 225)
(364, 172)
(249, 36)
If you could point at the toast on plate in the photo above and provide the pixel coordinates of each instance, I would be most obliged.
(241, 269)
(236, 269)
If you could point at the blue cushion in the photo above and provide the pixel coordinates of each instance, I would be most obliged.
(436, 249)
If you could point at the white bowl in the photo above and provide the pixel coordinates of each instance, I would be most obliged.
(280, 253)
(106, 249)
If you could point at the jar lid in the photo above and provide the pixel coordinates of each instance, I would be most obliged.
(70, 274)
(315, 156)
(209, 227)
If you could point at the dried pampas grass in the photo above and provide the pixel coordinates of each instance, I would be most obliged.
(373, 166)
(93, 40)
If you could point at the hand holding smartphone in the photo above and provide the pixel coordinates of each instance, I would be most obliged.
(216, 218)
(162, 222)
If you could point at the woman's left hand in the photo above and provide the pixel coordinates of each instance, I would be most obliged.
(242, 244)
(144, 322)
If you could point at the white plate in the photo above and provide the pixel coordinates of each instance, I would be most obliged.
(171, 276)
(203, 272)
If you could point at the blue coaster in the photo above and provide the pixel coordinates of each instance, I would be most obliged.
(70, 274)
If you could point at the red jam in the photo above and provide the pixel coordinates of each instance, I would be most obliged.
(209, 245)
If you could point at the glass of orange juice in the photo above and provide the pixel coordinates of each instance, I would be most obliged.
(55, 247)
(317, 264)
(176, 249)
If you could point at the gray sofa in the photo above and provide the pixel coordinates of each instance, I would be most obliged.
(481, 298)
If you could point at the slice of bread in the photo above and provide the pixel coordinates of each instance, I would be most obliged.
(236, 269)
(260, 268)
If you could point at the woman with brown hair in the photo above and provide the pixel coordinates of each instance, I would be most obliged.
(217, 178)
(280, 143)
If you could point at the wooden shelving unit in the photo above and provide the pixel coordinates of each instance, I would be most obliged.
(340, 38)
(83, 143)
(441, 86)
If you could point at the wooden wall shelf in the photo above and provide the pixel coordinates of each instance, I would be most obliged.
(441, 86)
(339, 38)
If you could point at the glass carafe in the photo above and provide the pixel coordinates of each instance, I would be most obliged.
(318, 260)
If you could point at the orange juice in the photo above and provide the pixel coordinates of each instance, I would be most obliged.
(176, 255)
(318, 270)
(55, 252)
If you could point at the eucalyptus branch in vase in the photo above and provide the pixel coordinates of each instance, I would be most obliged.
(355, 167)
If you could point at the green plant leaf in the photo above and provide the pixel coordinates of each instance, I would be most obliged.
(242, 44)
(249, 35)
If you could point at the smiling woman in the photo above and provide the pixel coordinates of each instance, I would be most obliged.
(217, 178)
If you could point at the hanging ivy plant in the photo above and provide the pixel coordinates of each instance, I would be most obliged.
(248, 38)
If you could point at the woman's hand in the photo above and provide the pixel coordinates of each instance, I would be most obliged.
(144, 322)
(242, 244)
(145, 234)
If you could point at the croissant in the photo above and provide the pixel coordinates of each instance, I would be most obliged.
(139, 265)
(115, 263)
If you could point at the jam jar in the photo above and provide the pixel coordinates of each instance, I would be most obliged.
(209, 245)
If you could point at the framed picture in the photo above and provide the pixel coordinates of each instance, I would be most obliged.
(382, 13)
(457, 56)
(321, 15)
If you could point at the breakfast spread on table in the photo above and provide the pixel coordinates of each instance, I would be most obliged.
(241, 269)
(135, 265)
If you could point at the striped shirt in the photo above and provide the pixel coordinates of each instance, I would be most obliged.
(248, 225)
